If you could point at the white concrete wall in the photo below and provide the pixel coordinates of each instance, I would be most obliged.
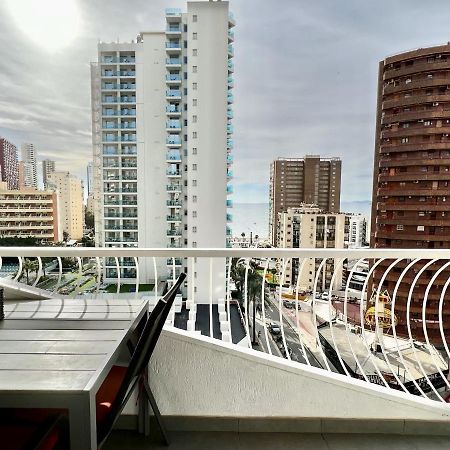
(197, 376)
(211, 111)
(151, 149)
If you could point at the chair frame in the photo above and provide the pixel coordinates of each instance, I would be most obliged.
(136, 370)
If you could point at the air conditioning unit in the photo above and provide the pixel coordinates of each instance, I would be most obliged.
(420, 121)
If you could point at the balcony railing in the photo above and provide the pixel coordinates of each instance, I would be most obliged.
(356, 314)
(173, 93)
(173, 61)
(175, 45)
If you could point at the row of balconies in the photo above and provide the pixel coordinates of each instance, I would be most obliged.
(413, 146)
(118, 86)
(116, 150)
(423, 82)
(107, 112)
(114, 162)
(107, 73)
(116, 125)
(117, 138)
(415, 176)
(120, 202)
(393, 204)
(417, 130)
(416, 100)
(120, 214)
(117, 99)
(118, 59)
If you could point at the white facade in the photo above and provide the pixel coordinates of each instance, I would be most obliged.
(357, 231)
(28, 153)
(162, 142)
(310, 227)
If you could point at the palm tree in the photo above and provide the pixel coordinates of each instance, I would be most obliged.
(29, 266)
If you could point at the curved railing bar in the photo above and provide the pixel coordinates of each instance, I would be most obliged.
(441, 318)
(247, 312)
(19, 270)
(425, 332)
(337, 263)
(408, 325)
(80, 275)
(347, 328)
(39, 271)
(136, 264)
(280, 307)
(155, 271)
(313, 303)
(192, 280)
(116, 259)
(174, 268)
(297, 318)
(381, 341)
(361, 317)
(394, 331)
(228, 292)
(99, 275)
(211, 329)
(55, 289)
(263, 306)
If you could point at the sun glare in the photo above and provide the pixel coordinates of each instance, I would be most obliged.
(51, 24)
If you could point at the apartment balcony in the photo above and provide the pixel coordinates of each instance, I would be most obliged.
(230, 114)
(229, 203)
(127, 73)
(109, 86)
(110, 138)
(230, 66)
(230, 36)
(110, 112)
(229, 189)
(125, 99)
(174, 233)
(109, 99)
(173, 141)
(128, 138)
(174, 218)
(173, 62)
(173, 110)
(229, 174)
(127, 60)
(174, 187)
(173, 79)
(229, 159)
(228, 231)
(230, 98)
(229, 218)
(175, 261)
(173, 30)
(127, 86)
(173, 94)
(372, 387)
(230, 51)
(109, 73)
(173, 157)
(174, 203)
(173, 47)
(231, 21)
(110, 125)
(230, 129)
(173, 125)
(173, 173)
(173, 15)
(230, 143)
(174, 245)
(109, 60)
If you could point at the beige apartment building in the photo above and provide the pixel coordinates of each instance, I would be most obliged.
(29, 213)
(312, 180)
(308, 226)
(70, 194)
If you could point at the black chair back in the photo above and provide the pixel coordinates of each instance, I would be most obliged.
(141, 355)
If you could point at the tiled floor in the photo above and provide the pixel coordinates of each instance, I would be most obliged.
(125, 440)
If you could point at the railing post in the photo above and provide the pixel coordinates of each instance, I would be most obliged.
(2, 305)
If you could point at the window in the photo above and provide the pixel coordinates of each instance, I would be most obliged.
(194, 229)
(194, 199)
(194, 119)
(194, 69)
(405, 140)
(420, 228)
(194, 166)
(194, 102)
(194, 214)
(194, 86)
(194, 52)
(194, 17)
(194, 36)
(194, 135)
(194, 183)
(194, 150)
(194, 244)
(399, 227)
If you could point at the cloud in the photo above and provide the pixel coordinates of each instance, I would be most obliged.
(305, 80)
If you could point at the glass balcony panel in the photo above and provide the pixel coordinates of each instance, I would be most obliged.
(173, 44)
(173, 61)
(173, 77)
(173, 93)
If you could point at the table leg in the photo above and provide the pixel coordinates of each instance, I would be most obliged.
(82, 422)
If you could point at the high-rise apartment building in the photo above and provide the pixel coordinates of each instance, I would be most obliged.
(28, 153)
(29, 213)
(312, 180)
(357, 231)
(307, 226)
(162, 138)
(70, 195)
(411, 185)
(48, 167)
(9, 169)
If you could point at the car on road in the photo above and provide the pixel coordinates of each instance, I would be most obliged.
(289, 305)
(325, 296)
(275, 328)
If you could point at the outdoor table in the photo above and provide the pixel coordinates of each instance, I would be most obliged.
(56, 353)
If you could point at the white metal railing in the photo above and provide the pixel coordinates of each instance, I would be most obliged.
(379, 315)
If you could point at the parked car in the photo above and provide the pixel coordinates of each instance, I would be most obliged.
(289, 305)
(325, 296)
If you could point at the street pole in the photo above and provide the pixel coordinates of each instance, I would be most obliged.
(254, 322)
(251, 238)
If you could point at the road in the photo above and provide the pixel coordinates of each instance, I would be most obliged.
(272, 314)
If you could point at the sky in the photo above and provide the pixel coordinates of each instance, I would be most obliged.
(305, 76)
